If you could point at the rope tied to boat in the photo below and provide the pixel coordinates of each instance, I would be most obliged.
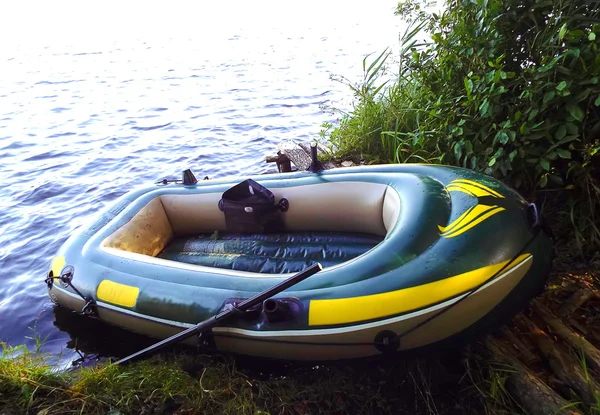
(66, 278)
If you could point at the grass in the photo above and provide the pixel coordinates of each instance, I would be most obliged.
(385, 124)
(185, 383)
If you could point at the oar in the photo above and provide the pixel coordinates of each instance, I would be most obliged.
(223, 315)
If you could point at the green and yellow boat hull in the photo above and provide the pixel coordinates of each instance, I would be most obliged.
(455, 252)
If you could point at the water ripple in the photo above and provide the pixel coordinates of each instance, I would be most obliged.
(86, 118)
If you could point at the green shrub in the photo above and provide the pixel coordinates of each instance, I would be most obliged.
(507, 87)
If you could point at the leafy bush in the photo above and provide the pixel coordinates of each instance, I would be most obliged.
(510, 88)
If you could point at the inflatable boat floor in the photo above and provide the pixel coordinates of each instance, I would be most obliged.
(269, 253)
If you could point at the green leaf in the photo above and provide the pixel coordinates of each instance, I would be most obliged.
(560, 132)
(536, 125)
(592, 37)
(512, 155)
(565, 140)
(517, 116)
(458, 150)
(597, 101)
(592, 81)
(561, 86)
(468, 86)
(575, 112)
(501, 137)
(562, 32)
(522, 128)
(582, 96)
(565, 92)
(468, 147)
(536, 136)
(492, 162)
(548, 96)
(532, 114)
(544, 180)
(572, 128)
(564, 154)
(497, 76)
(561, 69)
(371, 72)
(483, 108)
(545, 164)
(474, 162)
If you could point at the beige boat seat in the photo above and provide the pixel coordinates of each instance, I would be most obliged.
(369, 208)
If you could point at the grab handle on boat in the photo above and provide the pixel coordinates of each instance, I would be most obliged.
(225, 314)
(534, 219)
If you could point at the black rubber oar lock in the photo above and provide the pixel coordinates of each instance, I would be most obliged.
(188, 178)
(315, 165)
(251, 313)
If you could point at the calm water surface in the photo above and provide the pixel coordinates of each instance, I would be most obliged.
(94, 101)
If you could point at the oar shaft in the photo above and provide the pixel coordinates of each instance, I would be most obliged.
(223, 315)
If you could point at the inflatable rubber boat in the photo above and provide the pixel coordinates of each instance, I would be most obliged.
(412, 255)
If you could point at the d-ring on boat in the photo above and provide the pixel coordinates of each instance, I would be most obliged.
(413, 256)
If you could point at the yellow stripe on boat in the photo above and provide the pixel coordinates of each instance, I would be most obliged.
(368, 307)
(58, 263)
(456, 188)
(457, 222)
(119, 294)
(472, 188)
(472, 217)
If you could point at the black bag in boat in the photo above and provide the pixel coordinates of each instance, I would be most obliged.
(250, 208)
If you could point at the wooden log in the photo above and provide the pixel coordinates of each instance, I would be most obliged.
(566, 368)
(283, 162)
(524, 352)
(300, 154)
(574, 324)
(579, 298)
(576, 341)
(536, 397)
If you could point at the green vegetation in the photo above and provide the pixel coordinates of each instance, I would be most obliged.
(509, 88)
(186, 384)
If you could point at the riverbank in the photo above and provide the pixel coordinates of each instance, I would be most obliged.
(184, 382)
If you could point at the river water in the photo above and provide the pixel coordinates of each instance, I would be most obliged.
(96, 98)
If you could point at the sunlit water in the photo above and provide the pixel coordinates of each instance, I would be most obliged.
(98, 97)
